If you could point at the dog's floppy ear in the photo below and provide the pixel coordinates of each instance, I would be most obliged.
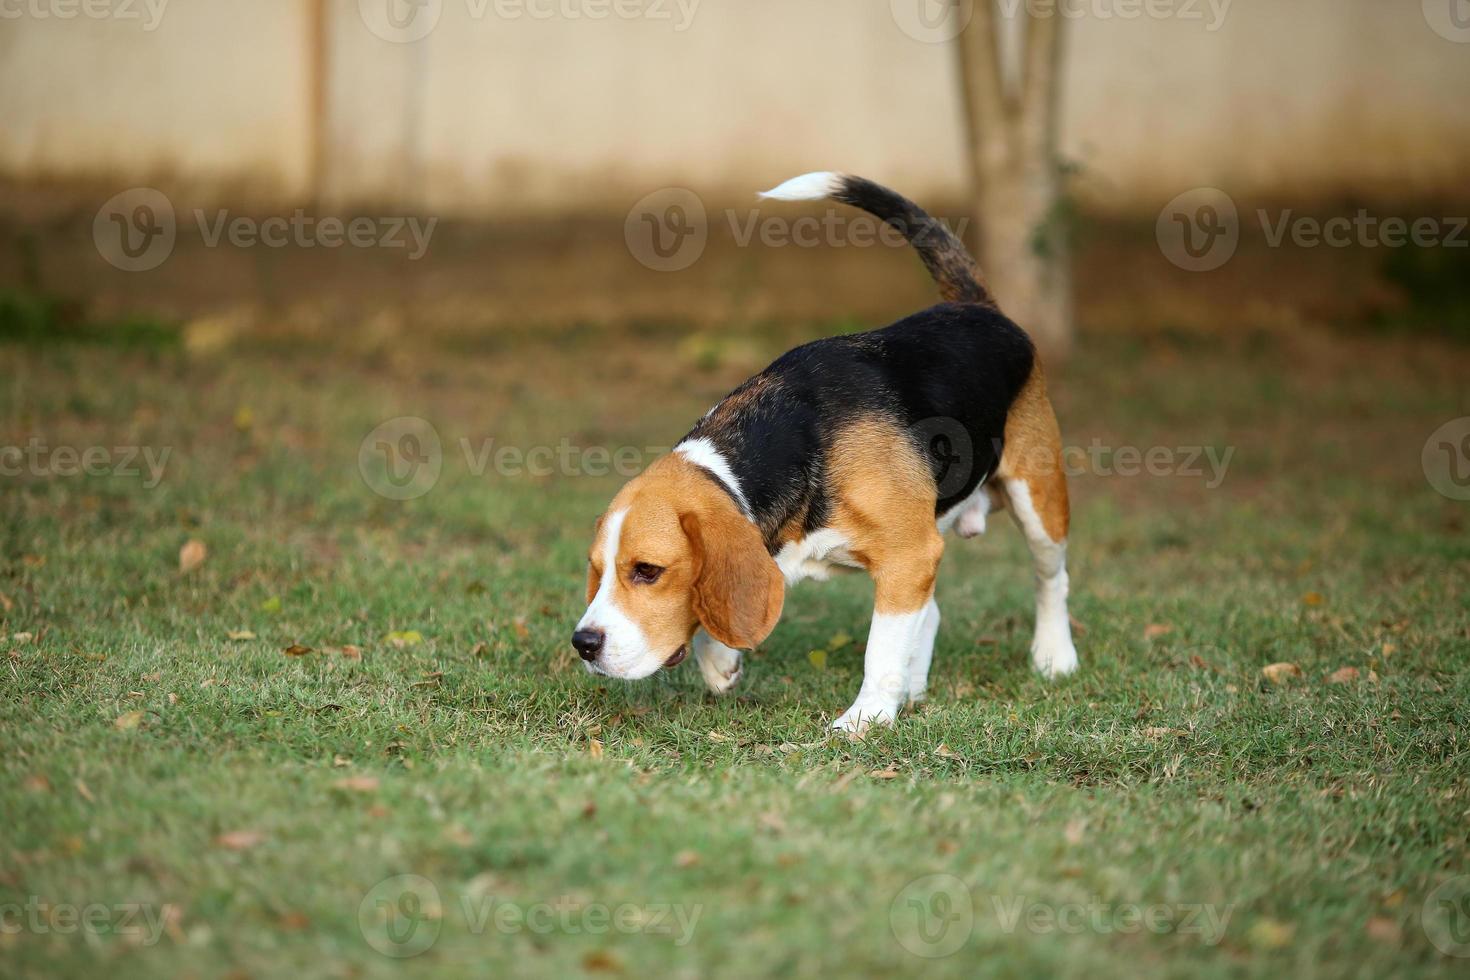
(738, 590)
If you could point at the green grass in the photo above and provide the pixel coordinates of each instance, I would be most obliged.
(1311, 820)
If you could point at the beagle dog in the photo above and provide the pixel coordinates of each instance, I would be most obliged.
(859, 451)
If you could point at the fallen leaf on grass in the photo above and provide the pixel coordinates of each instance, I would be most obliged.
(601, 961)
(5, 604)
(522, 630)
(1153, 630)
(127, 721)
(240, 635)
(818, 659)
(686, 859)
(192, 555)
(1343, 675)
(945, 752)
(294, 921)
(594, 748)
(84, 792)
(398, 639)
(1384, 929)
(239, 840)
(1312, 599)
(1281, 673)
(271, 605)
(358, 784)
(889, 773)
(37, 783)
(1270, 934)
(350, 652)
(838, 640)
(297, 650)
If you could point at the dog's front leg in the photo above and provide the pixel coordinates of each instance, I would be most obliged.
(901, 615)
(718, 664)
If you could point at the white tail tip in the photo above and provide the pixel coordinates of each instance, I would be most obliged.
(807, 187)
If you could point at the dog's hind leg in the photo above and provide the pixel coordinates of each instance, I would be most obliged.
(1036, 489)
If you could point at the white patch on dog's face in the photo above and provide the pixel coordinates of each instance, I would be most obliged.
(644, 625)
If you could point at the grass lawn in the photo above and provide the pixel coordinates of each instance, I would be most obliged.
(216, 800)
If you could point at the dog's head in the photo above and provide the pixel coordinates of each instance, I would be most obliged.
(671, 553)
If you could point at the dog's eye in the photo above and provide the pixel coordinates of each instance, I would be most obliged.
(646, 574)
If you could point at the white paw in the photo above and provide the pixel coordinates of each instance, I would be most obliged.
(917, 696)
(1053, 656)
(862, 715)
(720, 679)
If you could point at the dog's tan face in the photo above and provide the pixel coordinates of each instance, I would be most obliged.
(672, 553)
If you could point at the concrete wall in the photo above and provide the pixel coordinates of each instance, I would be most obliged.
(500, 108)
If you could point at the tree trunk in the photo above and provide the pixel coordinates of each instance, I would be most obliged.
(1022, 232)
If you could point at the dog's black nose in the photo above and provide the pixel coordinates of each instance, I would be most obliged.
(588, 643)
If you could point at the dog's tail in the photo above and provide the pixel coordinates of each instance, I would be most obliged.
(951, 266)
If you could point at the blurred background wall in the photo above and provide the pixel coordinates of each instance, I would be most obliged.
(500, 108)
